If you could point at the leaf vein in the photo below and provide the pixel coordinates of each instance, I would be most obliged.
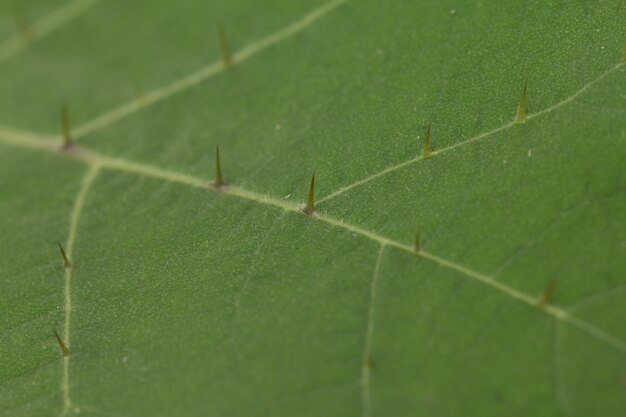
(77, 209)
(45, 26)
(366, 356)
(122, 165)
(484, 135)
(205, 73)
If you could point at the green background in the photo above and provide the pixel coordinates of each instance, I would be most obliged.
(190, 302)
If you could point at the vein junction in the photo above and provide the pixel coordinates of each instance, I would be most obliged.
(96, 162)
(467, 141)
(77, 209)
(92, 158)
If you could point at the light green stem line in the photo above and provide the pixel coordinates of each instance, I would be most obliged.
(44, 27)
(366, 369)
(117, 164)
(87, 182)
(492, 132)
(27, 140)
(205, 73)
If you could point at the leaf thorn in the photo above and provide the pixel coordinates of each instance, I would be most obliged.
(23, 25)
(426, 150)
(138, 92)
(219, 178)
(64, 350)
(310, 203)
(522, 116)
(66, 261)
(227, 56)
(417, 244)
(546, 295)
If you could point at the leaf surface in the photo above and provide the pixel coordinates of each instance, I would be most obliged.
(187, 300)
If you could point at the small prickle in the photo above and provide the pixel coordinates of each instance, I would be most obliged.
(546, 295)
(64, 350)
(66, 261)
(227, 56)
(219, 179)
(522, 116)
(23, 25)
(417, 243)
(426, 150)
(138, 92)
(310, 204)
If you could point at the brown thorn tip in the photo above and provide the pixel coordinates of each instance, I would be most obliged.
(310, 203)
(522, 116)
(66, 261)
(23, 25)
(426, 150)
(546, 295)
(227, 57)
(138, 92)
(65, 124)
(219, 179)
(64, 350)
(417, 243)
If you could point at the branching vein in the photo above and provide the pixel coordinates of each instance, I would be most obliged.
(366, 358)
(484, 135)
(77, 209)
(44, 27)
(96, 162)
(205, 73)
(118, 164)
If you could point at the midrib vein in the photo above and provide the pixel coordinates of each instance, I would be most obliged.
(87, 182)
(254, 48)
(117, 164)
(96, 162)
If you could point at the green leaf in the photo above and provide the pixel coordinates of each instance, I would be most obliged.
(181, 297)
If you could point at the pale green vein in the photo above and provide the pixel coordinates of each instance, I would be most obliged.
(598, 297)
(249, 276)
(44, 27)
(87, 182)
(27, 140)
(484, 135)
(205, 73)
(366, 357)
(122, 165)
